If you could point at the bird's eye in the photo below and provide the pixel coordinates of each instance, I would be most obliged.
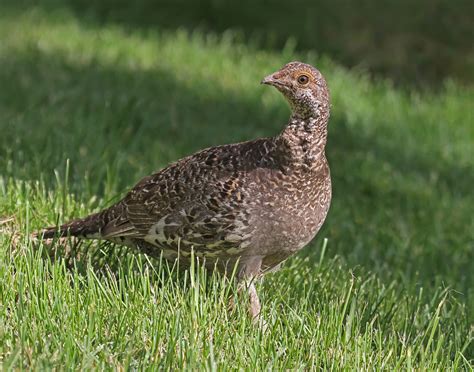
(303, 79)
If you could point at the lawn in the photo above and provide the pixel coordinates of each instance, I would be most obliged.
(87, 109)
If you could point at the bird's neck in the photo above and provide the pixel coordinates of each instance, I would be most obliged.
(304, 138)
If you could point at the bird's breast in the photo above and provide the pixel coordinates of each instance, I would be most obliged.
(290, 211)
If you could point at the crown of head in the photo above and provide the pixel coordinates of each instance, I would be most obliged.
(304, 87)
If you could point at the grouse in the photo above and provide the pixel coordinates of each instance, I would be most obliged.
(251, 204)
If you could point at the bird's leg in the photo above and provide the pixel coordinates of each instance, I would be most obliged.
(249, 287)
(248, 272)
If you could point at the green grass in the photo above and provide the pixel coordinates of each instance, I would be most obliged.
(393, 288)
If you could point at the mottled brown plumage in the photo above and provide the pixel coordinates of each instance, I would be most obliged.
(253, 203)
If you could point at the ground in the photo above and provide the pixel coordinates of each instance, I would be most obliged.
(87, 109)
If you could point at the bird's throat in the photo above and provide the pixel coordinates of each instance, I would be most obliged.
(304, 138)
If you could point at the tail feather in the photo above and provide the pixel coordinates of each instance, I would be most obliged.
(87, 227)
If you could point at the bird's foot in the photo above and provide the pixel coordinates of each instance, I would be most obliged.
(248, 289)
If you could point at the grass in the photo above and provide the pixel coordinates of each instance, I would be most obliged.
(88, 109)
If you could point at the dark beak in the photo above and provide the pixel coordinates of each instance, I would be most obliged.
(269, 80)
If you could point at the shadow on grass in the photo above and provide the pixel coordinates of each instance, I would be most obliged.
(117, 125)
(387, 38)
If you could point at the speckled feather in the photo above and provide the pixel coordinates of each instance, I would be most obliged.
(254, 202)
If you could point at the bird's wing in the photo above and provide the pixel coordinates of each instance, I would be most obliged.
(195, 197)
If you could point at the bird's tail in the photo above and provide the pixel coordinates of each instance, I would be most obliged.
(87, 227)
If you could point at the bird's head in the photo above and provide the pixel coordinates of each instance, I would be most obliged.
(303, 86)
